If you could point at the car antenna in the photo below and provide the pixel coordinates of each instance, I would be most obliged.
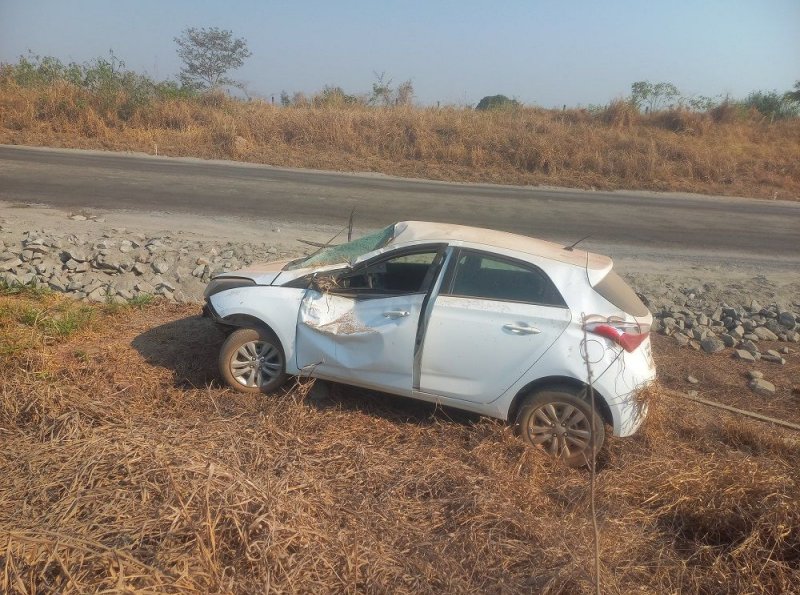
(350, 225)
(571, 247)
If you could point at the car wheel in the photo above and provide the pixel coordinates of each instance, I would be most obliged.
(560, 423)
(252, 360)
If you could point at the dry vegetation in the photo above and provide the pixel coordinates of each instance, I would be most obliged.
(723, 151)
(126, 467)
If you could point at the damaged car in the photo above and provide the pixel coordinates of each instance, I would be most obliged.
(490, 322)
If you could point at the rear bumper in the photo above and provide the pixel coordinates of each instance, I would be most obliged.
(624, 384)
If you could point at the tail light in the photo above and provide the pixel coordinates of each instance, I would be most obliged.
(628, 335)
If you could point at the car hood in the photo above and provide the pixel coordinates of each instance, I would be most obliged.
(272, 273)
(263, 273)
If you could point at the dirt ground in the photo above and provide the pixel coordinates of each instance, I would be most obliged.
(128, 466)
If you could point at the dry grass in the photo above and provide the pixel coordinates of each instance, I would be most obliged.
(126, 467)
(719, 152)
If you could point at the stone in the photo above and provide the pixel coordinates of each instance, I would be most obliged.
(750, 337)
(694, 345)
(737, 332)
(75, 254)
(160, 266)
(10, 265)
(201, 268)
(745, 355)
(702, 319)
(77, 217)
(681, 339)
(728, 340)
(692, 380)
(139, 268)
(96, 295)
(765, 334)
(755, 374)
(144, 287)
(787, 319)
(712, 345)
(762, 387)
(773, 359)
(58, 284)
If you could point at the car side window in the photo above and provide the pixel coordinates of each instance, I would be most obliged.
(490, 277)
(404, 274)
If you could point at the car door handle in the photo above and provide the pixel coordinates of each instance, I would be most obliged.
(521, 329)
(395, 314)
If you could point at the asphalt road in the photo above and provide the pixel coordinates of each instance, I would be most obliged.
(655, 222)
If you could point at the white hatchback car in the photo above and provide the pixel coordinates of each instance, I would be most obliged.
(490, 322)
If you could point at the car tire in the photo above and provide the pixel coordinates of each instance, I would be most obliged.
(252, 361)
(559, 422)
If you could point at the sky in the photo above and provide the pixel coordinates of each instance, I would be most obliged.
(548, 53)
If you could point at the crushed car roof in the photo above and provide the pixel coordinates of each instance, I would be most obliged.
(425, 231)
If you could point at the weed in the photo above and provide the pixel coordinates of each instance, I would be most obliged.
(60, 321)
(141, 300)
(30, 289)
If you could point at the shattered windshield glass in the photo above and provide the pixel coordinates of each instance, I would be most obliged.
(344, 253)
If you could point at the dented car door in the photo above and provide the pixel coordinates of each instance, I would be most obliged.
(363, 327)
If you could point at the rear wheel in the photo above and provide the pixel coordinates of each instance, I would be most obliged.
(252, 360)
(560, 423)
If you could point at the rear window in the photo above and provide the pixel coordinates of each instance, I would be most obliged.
(478, 275)
(613, 288)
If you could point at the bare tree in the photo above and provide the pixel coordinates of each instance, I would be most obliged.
(381, 90)
(208, 54)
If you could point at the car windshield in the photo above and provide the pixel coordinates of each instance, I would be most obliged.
(344, 252)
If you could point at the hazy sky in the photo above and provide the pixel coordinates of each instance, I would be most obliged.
(543, 52)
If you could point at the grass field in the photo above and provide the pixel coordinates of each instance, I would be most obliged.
(127, 466)
(724, 151)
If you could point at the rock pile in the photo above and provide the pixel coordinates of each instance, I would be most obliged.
(119, 266)
(737, 328)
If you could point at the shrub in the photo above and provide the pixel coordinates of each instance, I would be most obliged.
(772, 104)
(620, 114)
(491, 102)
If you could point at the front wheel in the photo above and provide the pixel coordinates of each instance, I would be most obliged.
(252, 361)
(560, 423)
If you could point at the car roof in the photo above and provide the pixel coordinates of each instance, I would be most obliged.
(426, 231)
